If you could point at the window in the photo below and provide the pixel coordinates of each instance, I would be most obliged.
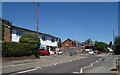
(78, 44)
(52, 39)
(19, 33)
(66, 45)
(73, 43)
(43, 38)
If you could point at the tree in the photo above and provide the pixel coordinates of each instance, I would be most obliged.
(87, 42)
(33, 40)
(59, 43)
(110, 44)
(101, 46)
(117, 45)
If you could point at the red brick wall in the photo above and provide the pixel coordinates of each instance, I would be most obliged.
(7, 34)
(67, 42)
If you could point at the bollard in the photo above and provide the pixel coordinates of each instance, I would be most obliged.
(118, 65)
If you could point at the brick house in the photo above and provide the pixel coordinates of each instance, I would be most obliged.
(7, 33)
(70, 43)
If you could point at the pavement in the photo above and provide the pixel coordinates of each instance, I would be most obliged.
(104, 66)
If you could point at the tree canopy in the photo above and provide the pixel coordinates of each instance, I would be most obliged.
(101, 46)
(87, 42)
(117, 45)
(59, 43)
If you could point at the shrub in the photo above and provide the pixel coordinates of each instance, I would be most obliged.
(30, 38)
(33, 40)
(16, 49)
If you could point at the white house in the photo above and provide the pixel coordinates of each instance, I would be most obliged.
(48, 42)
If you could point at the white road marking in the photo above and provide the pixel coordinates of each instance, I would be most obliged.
(38, 67)
(55, 63)
(77, 72)
(84, 67)
(81, 70)
(91, 64)
(70, 60)
(96, 61)
(26, 71)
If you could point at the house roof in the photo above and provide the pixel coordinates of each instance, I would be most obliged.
(72, 40)
(35, 32)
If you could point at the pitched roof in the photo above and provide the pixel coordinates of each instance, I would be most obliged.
(35, 32)
(73, 40)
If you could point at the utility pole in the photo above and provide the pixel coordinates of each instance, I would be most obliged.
(114, 40)
(37, 26)
(85, 34)
(37, 17)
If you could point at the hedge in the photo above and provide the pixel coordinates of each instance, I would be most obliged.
(16, 49)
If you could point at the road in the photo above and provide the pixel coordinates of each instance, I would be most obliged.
(67, 67)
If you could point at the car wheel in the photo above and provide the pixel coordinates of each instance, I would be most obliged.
(41, 54)
(48, 54)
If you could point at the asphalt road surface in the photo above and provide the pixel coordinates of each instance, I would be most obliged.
(67, 67)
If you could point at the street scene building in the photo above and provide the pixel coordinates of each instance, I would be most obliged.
(13, 33)
(70, 43)
(85, 38)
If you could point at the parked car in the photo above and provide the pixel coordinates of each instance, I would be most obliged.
(91, 52)
(98, 52)
(59, 52)
(44, 52)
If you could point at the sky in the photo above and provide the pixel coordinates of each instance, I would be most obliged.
(75, 20)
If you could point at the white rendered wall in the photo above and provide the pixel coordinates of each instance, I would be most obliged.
(47, 42)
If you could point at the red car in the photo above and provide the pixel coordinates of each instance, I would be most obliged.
(98, 52)
(44, 52)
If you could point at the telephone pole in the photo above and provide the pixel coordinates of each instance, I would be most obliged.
(114, 40)
(37, 26)
(37, 17)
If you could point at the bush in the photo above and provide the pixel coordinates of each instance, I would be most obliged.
(16, 49)
(30, 38)
(33, 40)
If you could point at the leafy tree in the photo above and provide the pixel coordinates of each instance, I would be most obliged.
(33, 40)
(59, 43)
(87, 42)
(101, 46)
(117, 45)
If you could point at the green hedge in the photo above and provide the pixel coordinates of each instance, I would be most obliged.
(16, 49)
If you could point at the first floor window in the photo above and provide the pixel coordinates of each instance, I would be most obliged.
(66, 45)
(52, 40)
(43, 38)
